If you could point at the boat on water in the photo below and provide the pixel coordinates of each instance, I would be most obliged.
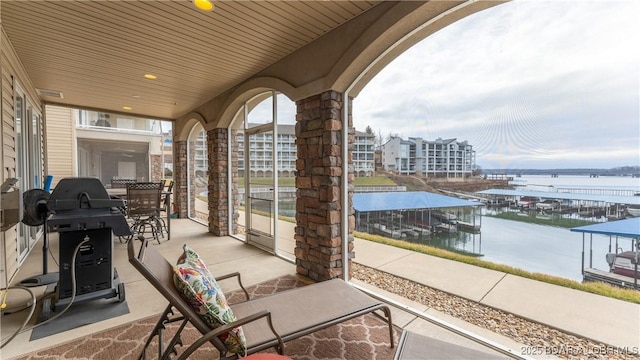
(634, 210)
(391, 232)
(624, 263)
(527, 201)
(444, 217)
(548, 205)
(622, 272)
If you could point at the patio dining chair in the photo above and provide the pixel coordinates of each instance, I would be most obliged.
(144, 204)
(118, 183)
(166, 203)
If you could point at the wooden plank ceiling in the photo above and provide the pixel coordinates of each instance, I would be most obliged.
(97, 52)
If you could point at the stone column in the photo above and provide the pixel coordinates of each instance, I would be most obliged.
(218, 152)
(157, 167)
(181, 177)
(235, 200)
(319, 126)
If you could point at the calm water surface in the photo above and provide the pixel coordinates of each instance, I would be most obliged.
(539, 248)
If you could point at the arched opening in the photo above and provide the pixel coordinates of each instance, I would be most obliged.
(263, 133)
(197, 174)
(501, 104)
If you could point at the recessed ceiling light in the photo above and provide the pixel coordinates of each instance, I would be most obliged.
(136, 96)
(205, 5)
(127, 108)
(150, 76)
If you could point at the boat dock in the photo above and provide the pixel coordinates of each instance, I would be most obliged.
(597, 190)
(591, 274)
(627, 228)
(416, 214)
(585, 204)
(470, 227)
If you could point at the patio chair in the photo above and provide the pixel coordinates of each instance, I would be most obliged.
(144, 205)
(167, 192)
(267, 321)
(118, 183)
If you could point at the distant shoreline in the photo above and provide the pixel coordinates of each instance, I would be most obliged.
(625, 171)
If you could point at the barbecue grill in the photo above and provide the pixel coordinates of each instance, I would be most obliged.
(82, 210)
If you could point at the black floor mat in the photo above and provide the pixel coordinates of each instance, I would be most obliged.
(81, 314)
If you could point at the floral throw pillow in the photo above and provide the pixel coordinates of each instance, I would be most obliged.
(199, 288)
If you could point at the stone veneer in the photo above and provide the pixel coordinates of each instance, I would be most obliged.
(218, 152)
(235, 199)
(318, 235)
(156, 167)
(181, 176)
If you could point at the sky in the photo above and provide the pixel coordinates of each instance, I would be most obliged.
(530, 84)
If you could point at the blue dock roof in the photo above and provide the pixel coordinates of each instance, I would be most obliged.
(382, 201)
(626, 228)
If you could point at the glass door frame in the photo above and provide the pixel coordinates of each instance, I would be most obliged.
(194, 135)
(248, 132)
(29, 163)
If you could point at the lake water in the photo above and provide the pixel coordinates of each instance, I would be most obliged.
(535, 248)
(540, 248)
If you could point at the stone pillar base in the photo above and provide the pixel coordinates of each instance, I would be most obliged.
(318, 232)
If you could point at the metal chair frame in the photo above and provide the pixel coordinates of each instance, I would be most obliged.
(144, 204)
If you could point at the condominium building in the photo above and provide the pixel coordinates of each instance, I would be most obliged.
(260, 158)
(200, 155)
(105, 146)
(363, 154)
(438, 158)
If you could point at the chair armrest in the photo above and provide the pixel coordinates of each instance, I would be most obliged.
(228, 327)
(236, 275)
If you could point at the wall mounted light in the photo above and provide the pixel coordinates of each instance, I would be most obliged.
(204, 5)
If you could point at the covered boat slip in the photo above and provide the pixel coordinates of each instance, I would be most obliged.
(627, 228)
(611, 199)
(607, 199)
(614, 204)
(412, 214)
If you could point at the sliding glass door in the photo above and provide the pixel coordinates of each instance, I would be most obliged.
(29, 169)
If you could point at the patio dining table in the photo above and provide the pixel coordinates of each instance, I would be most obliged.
(122, 193)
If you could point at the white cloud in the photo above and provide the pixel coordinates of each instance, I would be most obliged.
(554, 84)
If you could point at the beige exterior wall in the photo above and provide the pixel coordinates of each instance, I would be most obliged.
(12, 73)
(61, 143)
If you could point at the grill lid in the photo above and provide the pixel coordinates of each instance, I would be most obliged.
(81, 193)
(84, 204)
